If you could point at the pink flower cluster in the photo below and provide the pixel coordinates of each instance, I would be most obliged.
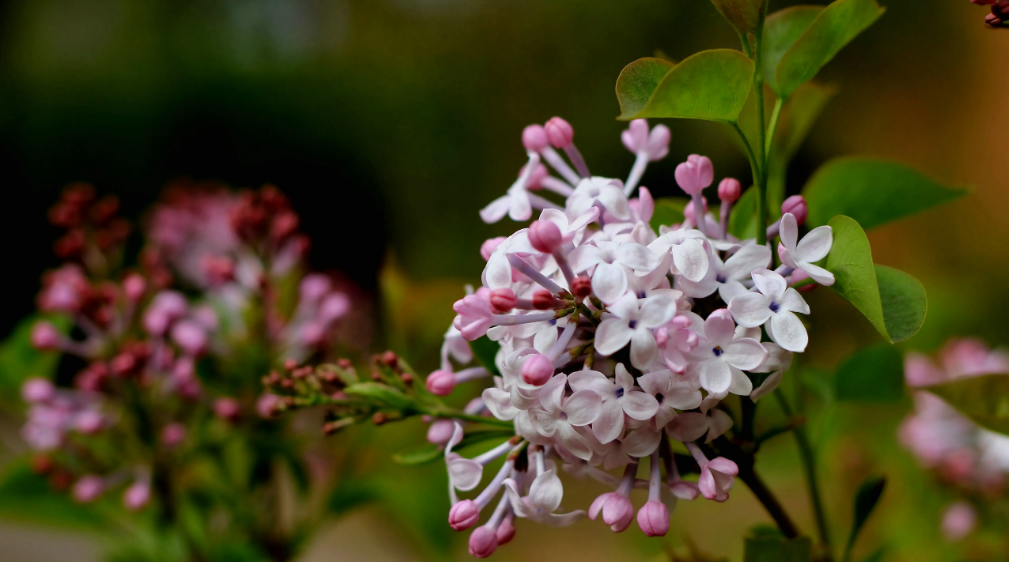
(616, 337)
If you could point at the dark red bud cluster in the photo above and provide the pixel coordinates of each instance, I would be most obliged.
(265, 215)
(87, 219)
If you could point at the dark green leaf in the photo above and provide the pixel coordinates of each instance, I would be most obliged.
(801, 110)
(744, 15)
(382, 395)
(834, 28)
(781, 30)
(422, 454)
(485, 351)
(872, 191)
(866, 499)
(710, 85)
(743, 219)
(765, 544)
(668, 211)
(984, 399)
(873, 374)
(893, 301)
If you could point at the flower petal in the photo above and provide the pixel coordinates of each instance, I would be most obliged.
(789, 232)
(546, 492)
(691, 259)
(719, 328)
(612, 335)
(793, 301)
(583, 257)
(688, 427)
(748, 258)
(769, 283)
(787, 330)
(464, 474)
(637, 257)
(519, 208)
(610, 423)
(744, 353)
(644, 350)
(552, 393)
(750, 309)
(499, 403)
(609, 282)
(815, 245)
(768, 386)
(496, 209)
(641, 442)
(583, 407)
(639, 405)
(741, 384)
(714, 375)
(657, 311)
(573, 442)
(818, 274)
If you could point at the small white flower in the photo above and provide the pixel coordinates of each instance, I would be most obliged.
(631, 320)
(562, 414)
(608, 192)
(726, 277)
(775, 306)
(689, 250)
(814, 246)
(672, 392)
(720, 357)
(545, 495)
(613, 263)
(619, 396)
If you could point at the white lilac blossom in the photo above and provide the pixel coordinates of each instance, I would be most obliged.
(615, 339)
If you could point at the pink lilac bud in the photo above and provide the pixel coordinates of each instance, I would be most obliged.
(463, 515)
(616, 509)
(695, 174)
(535, 181)
(502, 300)
(545, 236)
(440, 383)
(45, 336)
(269, 405)
(729, 190)
(133, 287)
(227, 408)
(36, 389)
(635, 137)
(653, 518)
(958, 521)
(89, 422)
(534, 138)
(88, 488)
(506, 531)
(190, 336)
(582, 286)
(482, 542)
(559, 132)
(537, 370)
(796, 205)
(543, 299)
(137, 496)
(798, 276)
(488, 247)
(173, 435)
(440, 431)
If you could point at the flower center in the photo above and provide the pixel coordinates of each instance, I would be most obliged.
(774, 306)
(633, 324)
(720, 278)
(659, 397)
(619, 393)
(717, 350)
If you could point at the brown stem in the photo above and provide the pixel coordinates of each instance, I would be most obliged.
(764, 494)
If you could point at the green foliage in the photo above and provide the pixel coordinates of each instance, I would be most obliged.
(873, 374)
(781, 30)
(872, 191)
(893, 301)
(710, 85)
(422, 454)
(382, 394)
(765, 544)
(668, 211)
(866, 498)
(744, 15)
(20, 361)
(28, 496)
(984, 399)
(801, 110)
(485, 352)
(832, 29)
(743, 219)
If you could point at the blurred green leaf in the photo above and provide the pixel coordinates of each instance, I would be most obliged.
(765, 544)
(710, 85)
(781, 30)
(384, 395)
(873, 374)
(485, 351)
(744, 15)
(871, 191)
(19, 360)
(984, 399)
(28, 496)
(866, 498)
(668, 211)
(422, 454)
(479, 436)
(835, 27)
(801, 110)
(743, 218)
(893, 301)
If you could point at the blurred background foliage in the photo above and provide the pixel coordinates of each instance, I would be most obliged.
(390, 123)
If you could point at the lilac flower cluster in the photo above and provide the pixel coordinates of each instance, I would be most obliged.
(615, 337)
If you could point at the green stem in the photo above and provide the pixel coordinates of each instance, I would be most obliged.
(754, 164)
(772, 127)
(463, 416)
(809, 466)
(758, 85)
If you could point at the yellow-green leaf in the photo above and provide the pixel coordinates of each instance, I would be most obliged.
(984, 399)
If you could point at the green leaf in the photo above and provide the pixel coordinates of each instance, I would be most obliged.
(984, 399)
(743, 218)
(19, 360)
(781, 30)
(893, 301)
(485, 351)
(710, 85)
(418, 455)
(744, 15)
(872, 191)
(834, 28)
(866, 499)
(384, 396)
(27, 496)
(801, 110)
(765, 544)
(873, 374)
(668, 211)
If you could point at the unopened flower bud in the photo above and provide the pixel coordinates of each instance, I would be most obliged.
(537, 370)
(482, 542)
(505, 531)
(137, 495)
(559, 132)
(616, 509)
(534, 138)
(227, 409)
(536, 177)
(545, 236)
(502, 300)
(269, 405)
(440, 431)
(653, 518)
(543, 300)
(89, 422)
(796, 205)
(729, 190)
(695, 174)
(88, 488)
(488, 247)
(133, 287)
(582, 286)
(190, 336)
(463, 515)
(440, 383)
(173, 435)
(37, 389)
(45, 336)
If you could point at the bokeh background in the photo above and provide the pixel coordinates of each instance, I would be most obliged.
(390, 123)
